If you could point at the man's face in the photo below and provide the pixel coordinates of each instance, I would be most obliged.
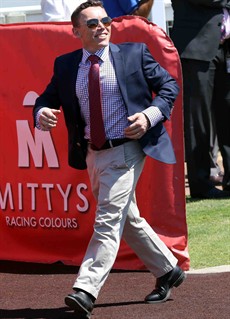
(94, 38)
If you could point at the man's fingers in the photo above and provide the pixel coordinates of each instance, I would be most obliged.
(55, 112)
(138, 126)
(51, 113)
(48, 119)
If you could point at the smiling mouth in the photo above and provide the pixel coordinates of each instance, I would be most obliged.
(101, 35)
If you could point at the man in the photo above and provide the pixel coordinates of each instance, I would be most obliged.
(114, 153)
(201, 34)
(117, 8)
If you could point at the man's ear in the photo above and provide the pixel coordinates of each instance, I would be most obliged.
(76, 33)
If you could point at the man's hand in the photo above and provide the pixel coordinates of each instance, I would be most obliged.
(140, 125)
(48, 118)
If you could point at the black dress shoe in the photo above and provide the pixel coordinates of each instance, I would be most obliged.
(213, 193)
(81, 302)
(164, 285)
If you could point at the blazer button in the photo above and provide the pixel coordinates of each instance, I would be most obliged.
(79, 144)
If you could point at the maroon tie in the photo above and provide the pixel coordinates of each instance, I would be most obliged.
(97, 130)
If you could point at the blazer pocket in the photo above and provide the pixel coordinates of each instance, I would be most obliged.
(132, 71)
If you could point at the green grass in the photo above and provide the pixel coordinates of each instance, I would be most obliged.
(208, 232)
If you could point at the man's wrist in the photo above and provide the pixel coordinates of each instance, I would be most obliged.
(154, 115)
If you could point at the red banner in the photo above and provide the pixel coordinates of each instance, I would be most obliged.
(47, 209)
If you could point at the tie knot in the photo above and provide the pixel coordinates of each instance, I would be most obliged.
(93, 59)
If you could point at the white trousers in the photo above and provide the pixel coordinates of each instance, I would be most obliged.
(114, 174)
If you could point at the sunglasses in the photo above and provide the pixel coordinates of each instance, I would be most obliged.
(93, 23)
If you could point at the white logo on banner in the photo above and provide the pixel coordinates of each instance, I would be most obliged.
(37, 147)
(27, 144)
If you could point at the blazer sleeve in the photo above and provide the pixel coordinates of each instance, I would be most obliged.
(161, 83)
(49, 98)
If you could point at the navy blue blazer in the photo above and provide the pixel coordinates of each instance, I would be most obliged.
(138, 75)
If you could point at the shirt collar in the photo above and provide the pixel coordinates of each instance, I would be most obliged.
(102, 53)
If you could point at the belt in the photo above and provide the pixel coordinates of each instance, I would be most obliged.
(110, 144)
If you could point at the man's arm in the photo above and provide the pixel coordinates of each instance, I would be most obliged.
(144, 8)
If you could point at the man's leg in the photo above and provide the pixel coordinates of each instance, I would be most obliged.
(114, 174)
(147, 245)
(221, 105)
(198, 120)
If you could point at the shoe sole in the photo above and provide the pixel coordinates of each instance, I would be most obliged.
(162, 300)
(176, 284)
(75, 305)
(179, 280)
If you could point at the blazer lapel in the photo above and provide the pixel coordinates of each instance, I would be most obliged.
(74, 70)
(119, 70)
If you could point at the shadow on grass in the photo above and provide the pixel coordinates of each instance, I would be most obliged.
(189, 199)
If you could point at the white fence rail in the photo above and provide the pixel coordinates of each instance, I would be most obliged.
(20, 14)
